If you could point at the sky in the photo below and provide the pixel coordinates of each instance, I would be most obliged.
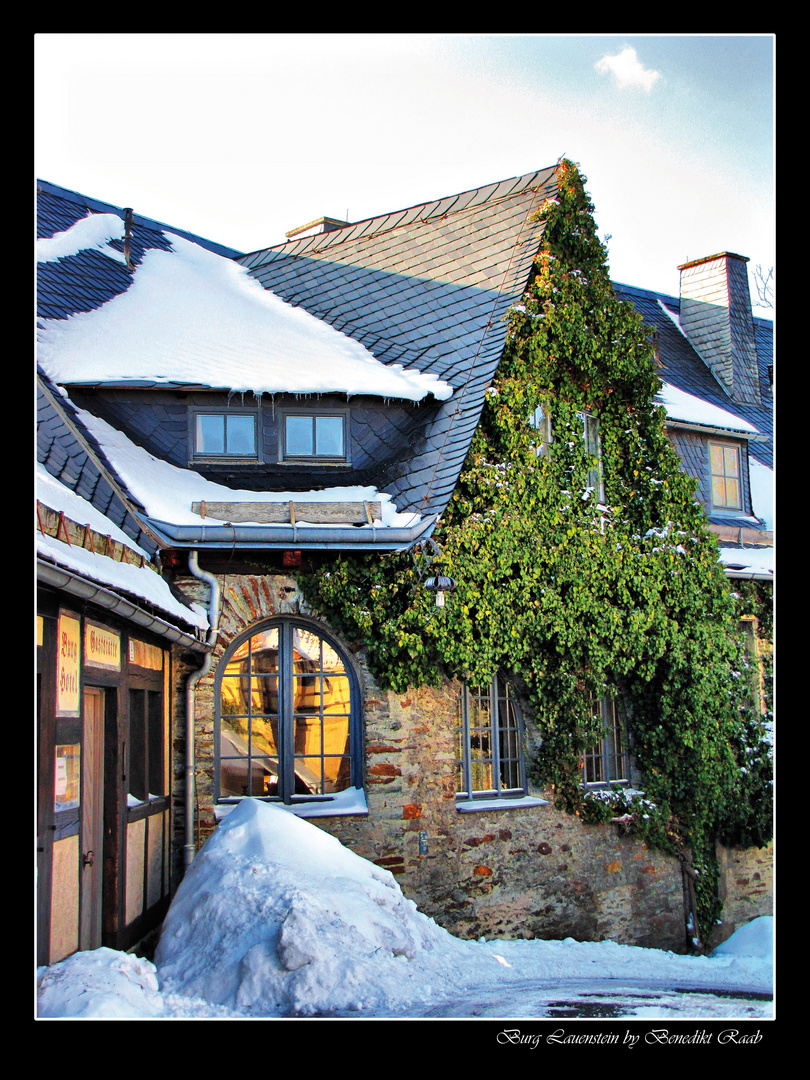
(241, 138)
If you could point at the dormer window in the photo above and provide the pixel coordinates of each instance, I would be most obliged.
(225, 434)
(724, 463)
(314, 437)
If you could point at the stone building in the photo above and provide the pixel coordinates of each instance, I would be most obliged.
(211, 423)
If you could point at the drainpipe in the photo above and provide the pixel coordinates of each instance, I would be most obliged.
(191, 687)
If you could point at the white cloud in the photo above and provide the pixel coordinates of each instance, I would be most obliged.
(628, 70)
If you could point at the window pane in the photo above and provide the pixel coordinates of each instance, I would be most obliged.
(299, 436)
(329, 436)
(137, 745)
(210, 434)
(284, 691)
(241, 434)
(480, 729)
(157, 783)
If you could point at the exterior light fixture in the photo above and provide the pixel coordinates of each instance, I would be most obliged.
(424, 554)
(440, 585)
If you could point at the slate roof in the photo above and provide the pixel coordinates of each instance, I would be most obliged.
(680, 365)
(74, 458)
(427, 287)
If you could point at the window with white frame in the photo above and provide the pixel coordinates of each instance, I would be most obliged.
(489, 743)
(540, 420)
(607, 761)
(724, 465)
(593, 447)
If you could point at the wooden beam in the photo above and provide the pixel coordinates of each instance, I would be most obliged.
(291, 513)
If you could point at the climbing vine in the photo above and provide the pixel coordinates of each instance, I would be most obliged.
(582, 573)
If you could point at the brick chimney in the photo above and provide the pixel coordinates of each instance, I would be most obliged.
(717, 319)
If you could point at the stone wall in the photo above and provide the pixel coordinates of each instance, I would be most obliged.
(521, 872)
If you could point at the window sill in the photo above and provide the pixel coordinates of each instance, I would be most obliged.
(474, 806)
(350, 803)
(315, 463)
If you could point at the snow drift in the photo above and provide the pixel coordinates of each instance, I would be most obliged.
(275, 918)
(254, 926)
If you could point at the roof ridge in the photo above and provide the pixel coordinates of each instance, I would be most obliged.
(429, 210)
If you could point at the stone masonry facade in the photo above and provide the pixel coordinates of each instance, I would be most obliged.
(512, 873)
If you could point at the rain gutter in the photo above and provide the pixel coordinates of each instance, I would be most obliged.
(191, 699)
(84, 589)
(340, 538)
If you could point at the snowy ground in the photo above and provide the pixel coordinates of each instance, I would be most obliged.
(275, 918)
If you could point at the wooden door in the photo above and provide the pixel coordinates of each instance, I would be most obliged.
(91, 862)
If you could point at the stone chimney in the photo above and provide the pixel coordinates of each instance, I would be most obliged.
(717, 319)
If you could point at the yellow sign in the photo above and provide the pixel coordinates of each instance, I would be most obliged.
(67, 664)
(102, 648)
(68, 777)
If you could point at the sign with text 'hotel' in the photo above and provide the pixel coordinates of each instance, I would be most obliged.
(67, 664)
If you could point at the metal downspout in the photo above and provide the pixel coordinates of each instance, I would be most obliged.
(191, 697)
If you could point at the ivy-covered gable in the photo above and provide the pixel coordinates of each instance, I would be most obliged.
(573, 595)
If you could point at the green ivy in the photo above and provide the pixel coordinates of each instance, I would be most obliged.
(576, 596)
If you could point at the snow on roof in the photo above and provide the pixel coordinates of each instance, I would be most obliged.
(166, 492)
(742, 562)
(94, 231)
(191, 316)
(60, 498)
(138, 581)
(762, 491)
(694, 410)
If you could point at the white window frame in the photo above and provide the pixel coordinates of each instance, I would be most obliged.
(540, 420)
(593, 447)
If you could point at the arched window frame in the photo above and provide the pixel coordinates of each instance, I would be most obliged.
(286, 752)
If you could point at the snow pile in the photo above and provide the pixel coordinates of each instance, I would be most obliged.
(275, 918)
(753, 939)
(259, 928)
(103, 983)
(191, 316)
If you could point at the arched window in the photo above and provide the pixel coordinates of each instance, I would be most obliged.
(287, 715)
(489, 743)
